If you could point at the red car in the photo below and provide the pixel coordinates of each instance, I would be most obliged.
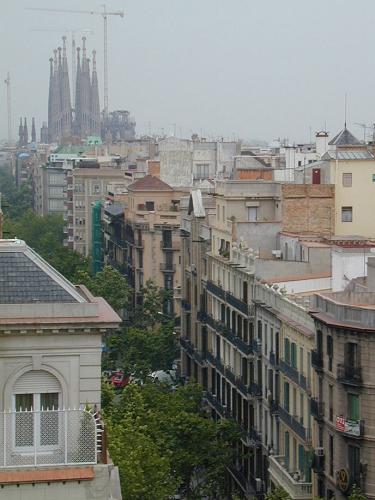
(119, 379)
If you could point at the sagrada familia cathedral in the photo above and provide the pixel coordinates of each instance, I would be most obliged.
(64, 122)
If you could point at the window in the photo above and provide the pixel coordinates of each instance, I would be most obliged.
(286, 396)
(347, 214)
(330, 351)
(293, 355)
(150, 206)
(353, 407)
(373, 177)
(330, 468)
(202, 171)
(330, 402)
(347, 180)
(354, 463)
(287, 351)
(301, 408)
(252, 214)
(286, 449)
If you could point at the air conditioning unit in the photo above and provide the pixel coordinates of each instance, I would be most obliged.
(319, 451)
(258, 484)
(277, 254)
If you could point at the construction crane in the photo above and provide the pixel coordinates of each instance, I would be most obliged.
(72, 34)
(9, 108)
(104, 13)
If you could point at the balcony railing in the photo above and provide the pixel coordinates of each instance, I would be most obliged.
(185, 305)
(49, 437)
(317, 360)
(317, 408)
(192, 351)
(170, 245)
(237, 303)
(219, 292)
(289, 481)
(294, 424)
(167, 268)
(289, 371)
(215, 290)
(350, 375)
(228, 334)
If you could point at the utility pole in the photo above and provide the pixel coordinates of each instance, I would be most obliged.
(9, 108)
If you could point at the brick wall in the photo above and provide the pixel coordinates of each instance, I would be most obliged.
(308, 208)
(253, 174)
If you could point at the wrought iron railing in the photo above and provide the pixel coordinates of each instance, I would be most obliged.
(49, 437)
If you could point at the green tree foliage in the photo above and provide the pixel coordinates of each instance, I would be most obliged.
(142, 351)
(357, 494)
(109, 284)
(150, 312)
(193, 450)
(278, 494)
(45, 236)
(15, 202)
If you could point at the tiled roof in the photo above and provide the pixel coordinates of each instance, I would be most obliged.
(344, 138)
(22, 281)
(47, 475)
(149, 183)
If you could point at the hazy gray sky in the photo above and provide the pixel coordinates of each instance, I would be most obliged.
(250, 68)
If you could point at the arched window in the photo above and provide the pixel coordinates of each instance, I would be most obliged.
(36, 394)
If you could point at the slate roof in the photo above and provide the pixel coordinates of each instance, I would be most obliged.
(149, 183)
(344, 138)
(23, 281)
(114, 209)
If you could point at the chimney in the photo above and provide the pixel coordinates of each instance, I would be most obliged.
(321, 142)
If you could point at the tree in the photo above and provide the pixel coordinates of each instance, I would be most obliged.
(150, 312)
(278, 494)
(109, 284)
(141, 351)
(198, 448)
(357, 494)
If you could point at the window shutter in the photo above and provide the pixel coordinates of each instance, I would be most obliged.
(36, 381)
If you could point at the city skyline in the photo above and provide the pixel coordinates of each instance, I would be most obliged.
(236, 70)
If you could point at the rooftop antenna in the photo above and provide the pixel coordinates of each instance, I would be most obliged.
(346, 99)
(9, 108)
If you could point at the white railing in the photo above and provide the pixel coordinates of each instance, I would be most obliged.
(49, 437)
(279, 473)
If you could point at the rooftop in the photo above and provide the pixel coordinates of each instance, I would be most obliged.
(149, 183)
(344, 138)
(348, 155)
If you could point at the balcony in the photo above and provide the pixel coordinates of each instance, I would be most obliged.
(167, 268)
(185, 305)
(289, 481)
(317, 360)
(192, 351)
(294, 424)
(221, 328)
(237, 303)
(289, 371)
(317, 409)
(170, 245)
(215, 290)
(216, 404)
(350, 428)
(64, 437)
(349, 375)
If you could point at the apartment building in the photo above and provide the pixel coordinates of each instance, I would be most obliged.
(85, 186)
(142, 238)
(345, 391)
(50, 360)
(195, 244)
(185, 163)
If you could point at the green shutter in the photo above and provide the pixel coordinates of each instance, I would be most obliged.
(286, 449)
(287, 351)
(353, 406)
(301, 458)
(286, 396)
(293, 355)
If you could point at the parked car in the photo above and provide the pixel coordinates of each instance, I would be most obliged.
(119, 379)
